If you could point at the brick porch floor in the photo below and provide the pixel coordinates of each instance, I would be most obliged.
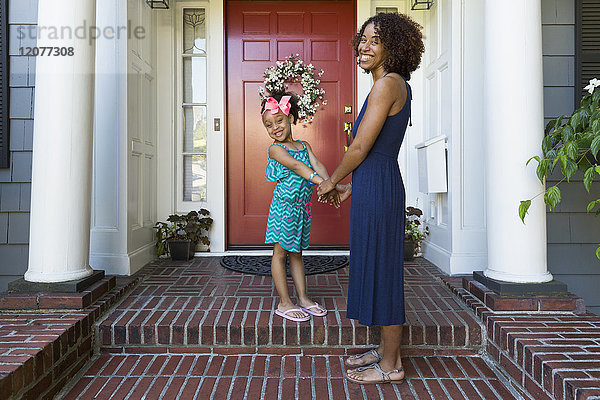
(276, 376)
(196, 330)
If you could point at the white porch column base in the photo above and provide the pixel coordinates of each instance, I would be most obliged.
(59, 239)
(507, 277)
(45, 277)
(513, 120)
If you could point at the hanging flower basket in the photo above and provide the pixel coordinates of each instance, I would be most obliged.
(290, 71)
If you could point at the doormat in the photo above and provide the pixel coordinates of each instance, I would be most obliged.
(261, 265)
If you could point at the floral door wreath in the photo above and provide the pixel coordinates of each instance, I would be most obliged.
(294, 70)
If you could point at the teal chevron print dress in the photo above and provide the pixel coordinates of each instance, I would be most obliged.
(289, 215)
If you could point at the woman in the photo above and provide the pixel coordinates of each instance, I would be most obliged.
(388, 46)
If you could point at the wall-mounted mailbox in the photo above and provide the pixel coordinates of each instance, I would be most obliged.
(431, 155)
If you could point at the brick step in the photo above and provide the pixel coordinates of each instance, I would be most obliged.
(57, 301)
(222, 325)
(202, 304)
(550, 355)
(341, 351)
(41, 350)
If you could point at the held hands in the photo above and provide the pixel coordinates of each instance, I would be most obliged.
(332, 198)
(345, 191)
(328, 194)
(333, 194)
(325, 187)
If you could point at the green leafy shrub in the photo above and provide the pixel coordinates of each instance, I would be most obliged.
(412, 227)
(189, 226)
(571, 142)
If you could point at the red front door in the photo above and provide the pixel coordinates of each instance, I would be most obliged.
(259, 33)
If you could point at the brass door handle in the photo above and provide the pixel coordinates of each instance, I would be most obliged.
(348, 131)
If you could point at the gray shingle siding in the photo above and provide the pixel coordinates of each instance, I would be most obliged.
(573, 234)
(3, 233)
(14, 259)
(15, 186)
(10, 195)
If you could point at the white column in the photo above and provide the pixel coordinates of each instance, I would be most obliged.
(513, 103)
(59, 238)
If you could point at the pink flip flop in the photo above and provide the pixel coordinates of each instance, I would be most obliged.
(316, 314)
(284, 314)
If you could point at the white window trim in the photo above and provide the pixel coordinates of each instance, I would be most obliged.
(169, 30)
(181, 205)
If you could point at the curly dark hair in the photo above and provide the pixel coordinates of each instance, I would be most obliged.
(401, 37)
(294, 108)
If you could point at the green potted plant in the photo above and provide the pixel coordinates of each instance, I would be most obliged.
(181, 233)
(572, 142)
(414, 234)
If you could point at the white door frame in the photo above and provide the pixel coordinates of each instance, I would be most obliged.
(170, 196)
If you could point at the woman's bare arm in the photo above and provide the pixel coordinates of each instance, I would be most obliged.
(384, 94)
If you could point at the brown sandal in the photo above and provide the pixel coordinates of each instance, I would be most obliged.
(359, 356)
(385, 376)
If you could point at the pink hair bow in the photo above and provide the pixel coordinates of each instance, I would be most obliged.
(283, 105)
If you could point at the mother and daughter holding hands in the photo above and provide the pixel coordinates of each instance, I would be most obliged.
(388, 46)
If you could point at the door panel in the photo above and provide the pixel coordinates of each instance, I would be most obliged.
(260, 33)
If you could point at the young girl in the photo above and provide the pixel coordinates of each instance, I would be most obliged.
(293, 165)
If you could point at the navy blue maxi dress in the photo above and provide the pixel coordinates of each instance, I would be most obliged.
(376, 281)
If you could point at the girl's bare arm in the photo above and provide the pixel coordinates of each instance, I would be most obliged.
(280, 155)
(316, 163)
